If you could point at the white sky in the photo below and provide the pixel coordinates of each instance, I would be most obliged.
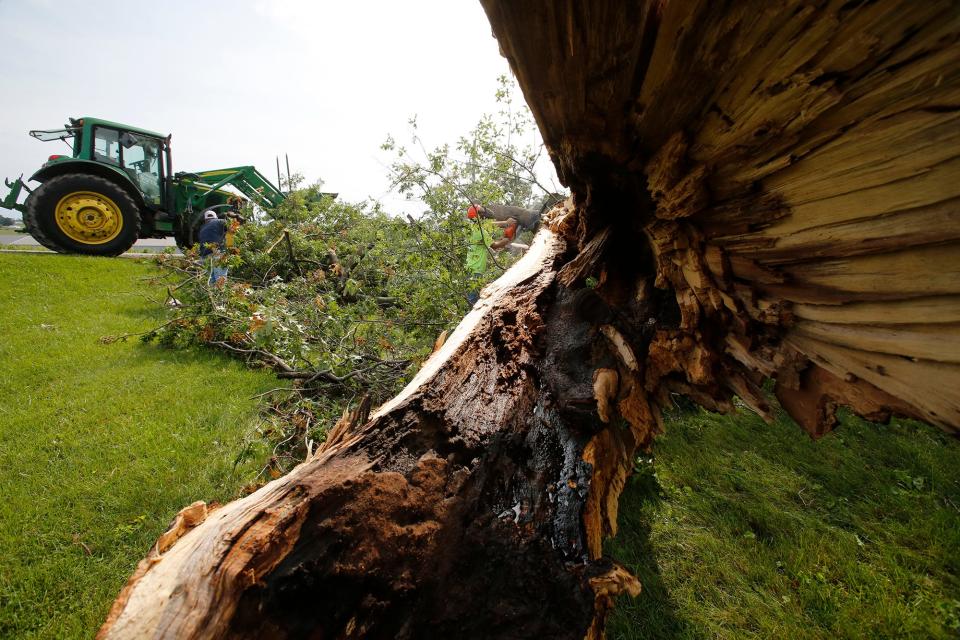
(241, 81)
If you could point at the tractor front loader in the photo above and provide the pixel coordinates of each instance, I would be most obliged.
(118, 185)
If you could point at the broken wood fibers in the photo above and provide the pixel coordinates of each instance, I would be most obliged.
(803, 160)
(760, 190)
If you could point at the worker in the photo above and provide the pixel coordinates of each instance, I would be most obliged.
(213, 245)
(481, 242)
(524, 219)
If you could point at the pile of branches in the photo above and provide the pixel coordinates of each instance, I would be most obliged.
(341, 301)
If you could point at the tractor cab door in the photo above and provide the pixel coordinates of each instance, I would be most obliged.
(106, 146)
(138, 155)
(142, 160)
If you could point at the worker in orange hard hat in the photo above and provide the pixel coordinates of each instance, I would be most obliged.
(481, 242)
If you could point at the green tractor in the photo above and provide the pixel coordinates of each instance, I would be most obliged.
(118, 185)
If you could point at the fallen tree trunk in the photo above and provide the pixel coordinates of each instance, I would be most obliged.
(759, 192)
(477, 481)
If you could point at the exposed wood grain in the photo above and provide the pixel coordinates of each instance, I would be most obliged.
(919, 271)
(938, 309)
(929, 386)
(938, 342)
(936, 224)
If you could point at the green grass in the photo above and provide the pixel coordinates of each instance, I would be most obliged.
(739, 529)
(100, 444)
(744, 530)
(29, 248)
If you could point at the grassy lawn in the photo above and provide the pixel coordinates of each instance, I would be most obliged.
(744, 530)
(739, 529)
(100, 444)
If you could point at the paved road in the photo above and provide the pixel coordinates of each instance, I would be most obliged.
(150, 245)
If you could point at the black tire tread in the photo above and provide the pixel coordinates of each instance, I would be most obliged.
(30, 223)
(96, 182)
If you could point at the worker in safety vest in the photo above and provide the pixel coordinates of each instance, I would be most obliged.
(481, 242)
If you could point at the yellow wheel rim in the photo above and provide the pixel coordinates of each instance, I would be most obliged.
(88, 217)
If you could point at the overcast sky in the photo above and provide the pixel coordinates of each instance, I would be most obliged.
(241, 81)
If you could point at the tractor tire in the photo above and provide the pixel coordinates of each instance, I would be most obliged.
(186, 228)
(184, 235)
(30, 223)
(81, 213)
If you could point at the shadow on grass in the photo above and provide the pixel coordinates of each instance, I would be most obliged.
(654, 613)
(196, 354)
(727, 537)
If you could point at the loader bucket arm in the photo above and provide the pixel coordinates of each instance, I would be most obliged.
(247, 180)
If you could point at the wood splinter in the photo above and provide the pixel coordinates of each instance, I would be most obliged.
(605, 383)
(188, 518)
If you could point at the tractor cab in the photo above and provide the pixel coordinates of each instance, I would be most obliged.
(126, 153)
(139, 155)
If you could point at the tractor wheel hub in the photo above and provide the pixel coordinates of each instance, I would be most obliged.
(89, 217)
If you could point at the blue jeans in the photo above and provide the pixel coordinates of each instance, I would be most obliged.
(216, 272)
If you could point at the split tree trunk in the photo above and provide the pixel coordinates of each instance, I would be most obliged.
(803, 159)
(761, 190)
(471, 506)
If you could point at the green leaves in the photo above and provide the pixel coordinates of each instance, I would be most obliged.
(345, 298)
(496, 162)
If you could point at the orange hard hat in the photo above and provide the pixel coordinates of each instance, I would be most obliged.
(472, 212)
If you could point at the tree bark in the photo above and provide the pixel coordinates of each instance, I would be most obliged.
(759, 192)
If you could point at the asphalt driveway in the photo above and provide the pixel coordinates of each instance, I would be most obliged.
(148, 245)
